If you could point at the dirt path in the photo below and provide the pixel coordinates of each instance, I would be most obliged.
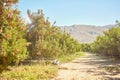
(88, 67)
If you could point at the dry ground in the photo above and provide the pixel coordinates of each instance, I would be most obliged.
(88, 67)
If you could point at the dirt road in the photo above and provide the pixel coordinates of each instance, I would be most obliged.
(88, 67)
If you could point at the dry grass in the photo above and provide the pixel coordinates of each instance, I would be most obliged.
(30, 72)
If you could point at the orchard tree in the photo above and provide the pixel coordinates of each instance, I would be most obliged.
(43, 37)
(12, 34)
(108, 44)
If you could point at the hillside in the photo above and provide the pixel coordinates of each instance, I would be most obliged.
(86, 33)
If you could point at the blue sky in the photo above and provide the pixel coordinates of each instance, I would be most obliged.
(69, 12)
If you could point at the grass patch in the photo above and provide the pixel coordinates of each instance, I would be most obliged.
(30, 72)
(70, 57)
(36, 71)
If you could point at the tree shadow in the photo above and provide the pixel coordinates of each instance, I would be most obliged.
(101, 64)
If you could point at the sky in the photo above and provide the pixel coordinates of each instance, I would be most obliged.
(70, 12)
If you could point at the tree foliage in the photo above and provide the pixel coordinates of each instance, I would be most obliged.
(48, 41)
(85, 47)
(109, 43)
(12, 32)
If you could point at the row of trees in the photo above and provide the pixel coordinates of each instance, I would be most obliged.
(108, 44)
(46, 41)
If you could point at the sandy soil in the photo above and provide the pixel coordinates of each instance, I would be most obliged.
(88, 67)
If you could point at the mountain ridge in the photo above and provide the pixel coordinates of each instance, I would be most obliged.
(86, 33)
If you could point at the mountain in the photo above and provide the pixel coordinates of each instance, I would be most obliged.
(85, 33)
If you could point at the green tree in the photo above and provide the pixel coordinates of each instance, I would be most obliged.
(12, 34)
(43, 37)
(108, 44)
(48, 41)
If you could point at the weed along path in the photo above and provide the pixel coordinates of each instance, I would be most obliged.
(89, 67)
